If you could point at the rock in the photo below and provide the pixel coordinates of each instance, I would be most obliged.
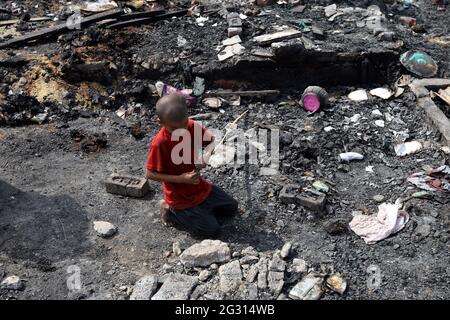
(204, 275)
(252, 273)
(214, 266)
(276, 282)
(144, 288)
(176, 287)
(249, 251)
(167, 268)
(286, 250)
(176, 248)
(206, 253)
(236, 255)
(262, 274)
(309, 288)
(12, 283)
(277, 264)
(282, 297)
(422, 231)
(198, 292)
(299, 265)
(252, 290)
(330, 10)
(378, 198)
(230, 276)
(248, 260)
(104, 229)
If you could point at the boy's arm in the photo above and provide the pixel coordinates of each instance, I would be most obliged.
(188, 177)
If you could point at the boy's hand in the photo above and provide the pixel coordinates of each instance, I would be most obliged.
(192, 177)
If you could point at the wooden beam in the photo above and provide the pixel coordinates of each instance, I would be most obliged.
(250, 93)
(137, 22)
(58, 29)
(16, 21)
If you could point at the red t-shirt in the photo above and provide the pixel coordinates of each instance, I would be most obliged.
(160, 159)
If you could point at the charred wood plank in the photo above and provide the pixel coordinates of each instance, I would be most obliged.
(251, 93)
(138, 22)
(16, 21)
(58, 29)
(139, 15)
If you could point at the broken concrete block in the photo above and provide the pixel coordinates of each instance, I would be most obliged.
(267, 39)
(262, 274)
(276, 281)
(144, 288)
(230, 276)
(299, 265)
(289, 193)
(176, 287)
(127, 185)
(277, 264)
(312, 199)
(205, 253)
(234, 20)
(234, 31)
(251, 274)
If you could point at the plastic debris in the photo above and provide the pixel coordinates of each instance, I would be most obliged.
(213, 103)
(349, 156)
(376, 227)
(381, 93)
(98, 5)
(419, 63)
(336, 283)
(309, 288)
(421, 194)
(314, 98)
(320, 186)
(432, 180)
(199, 86)
(165, 89)
(407, 148)
(358, 95)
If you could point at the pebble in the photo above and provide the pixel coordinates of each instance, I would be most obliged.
(378, 198)
(12, 283)
(204, 275)
(286, 250)
(176, 248)
(104, 229)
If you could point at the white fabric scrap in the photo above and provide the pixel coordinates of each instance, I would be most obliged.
(375, 227)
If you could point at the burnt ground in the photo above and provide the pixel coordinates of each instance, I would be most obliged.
(51, 188)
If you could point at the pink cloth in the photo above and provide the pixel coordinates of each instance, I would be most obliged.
(376, 227)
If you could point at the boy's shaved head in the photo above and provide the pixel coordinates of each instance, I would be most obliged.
(172, 108)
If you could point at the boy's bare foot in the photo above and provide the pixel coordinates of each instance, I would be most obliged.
(164, 212)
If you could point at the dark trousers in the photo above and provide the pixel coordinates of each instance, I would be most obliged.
(202, 220)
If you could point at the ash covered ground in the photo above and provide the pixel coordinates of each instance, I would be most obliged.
(61, 136)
